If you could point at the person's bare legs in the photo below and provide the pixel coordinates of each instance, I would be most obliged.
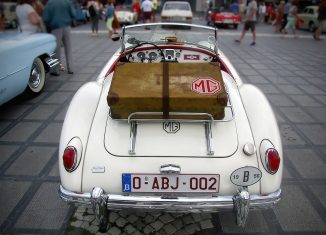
(294, 32)
(243, 33)
(254, 36)
(317, 33)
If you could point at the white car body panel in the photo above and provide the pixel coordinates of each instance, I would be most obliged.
(83, 105)
(176, 15)
(262, 121)
(104, 145)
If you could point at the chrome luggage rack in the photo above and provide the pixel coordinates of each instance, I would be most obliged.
(208, 122)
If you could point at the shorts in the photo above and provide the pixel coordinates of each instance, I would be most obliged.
(250, 25)
(147, 15)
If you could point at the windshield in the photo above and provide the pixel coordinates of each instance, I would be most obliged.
(169, 33)
(177, 6)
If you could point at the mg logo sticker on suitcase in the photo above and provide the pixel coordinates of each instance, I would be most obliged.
(205, 85)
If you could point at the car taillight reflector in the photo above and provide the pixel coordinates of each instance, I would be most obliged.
(273, 160)
(189, 18)
(70, 158)
(164, 17)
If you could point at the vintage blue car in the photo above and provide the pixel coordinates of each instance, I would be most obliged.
(24, 61)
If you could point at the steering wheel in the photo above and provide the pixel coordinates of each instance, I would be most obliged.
(146, 58)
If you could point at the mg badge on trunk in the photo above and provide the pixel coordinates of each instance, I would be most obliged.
(171, 127)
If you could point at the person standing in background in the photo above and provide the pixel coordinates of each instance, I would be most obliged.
(27, 17)
(292, 19)
(241, 10)
(269, 13)
(154, 3)
(235, 7)
(147, 8)
(262, 12)
(58, 15)
(279, 17)
(136, 8)
(109, 17)
(321, 19)
(251, 17)
(94, 9)
(287, 7)
(38, 6)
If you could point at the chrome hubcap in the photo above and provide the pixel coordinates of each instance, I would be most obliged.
(35, 77)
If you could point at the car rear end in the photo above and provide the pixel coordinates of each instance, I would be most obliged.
(227, 18)
(171, 166)
(176, 12)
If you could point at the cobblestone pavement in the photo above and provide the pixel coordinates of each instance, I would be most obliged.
(291, 72)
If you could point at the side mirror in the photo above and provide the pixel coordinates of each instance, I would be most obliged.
(115, 37)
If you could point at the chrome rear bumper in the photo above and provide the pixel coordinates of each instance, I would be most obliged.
(179, 204)
(239, 203)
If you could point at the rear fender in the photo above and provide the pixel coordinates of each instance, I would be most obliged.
(264, 127)
(77, 123)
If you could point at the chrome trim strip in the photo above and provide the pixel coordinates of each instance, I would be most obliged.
(134, 122)
(133, 135)
(178, 204)
(209, 136)
(169, 23)
(51, 62)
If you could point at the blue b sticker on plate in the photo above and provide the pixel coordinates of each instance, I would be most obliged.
(126, 182)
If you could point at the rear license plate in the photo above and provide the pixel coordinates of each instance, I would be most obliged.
(177, 18)
(155, 183)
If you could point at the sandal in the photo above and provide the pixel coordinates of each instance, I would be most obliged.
(62, 67)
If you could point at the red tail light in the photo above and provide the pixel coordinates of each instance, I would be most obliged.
(70, 158)
(273, 160)
(164, 17)
(189, 18)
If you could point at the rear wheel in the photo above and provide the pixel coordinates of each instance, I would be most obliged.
(36, 79)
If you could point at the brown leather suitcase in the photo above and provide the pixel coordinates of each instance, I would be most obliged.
(167, 87)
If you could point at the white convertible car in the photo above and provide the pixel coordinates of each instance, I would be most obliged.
(169, 125)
